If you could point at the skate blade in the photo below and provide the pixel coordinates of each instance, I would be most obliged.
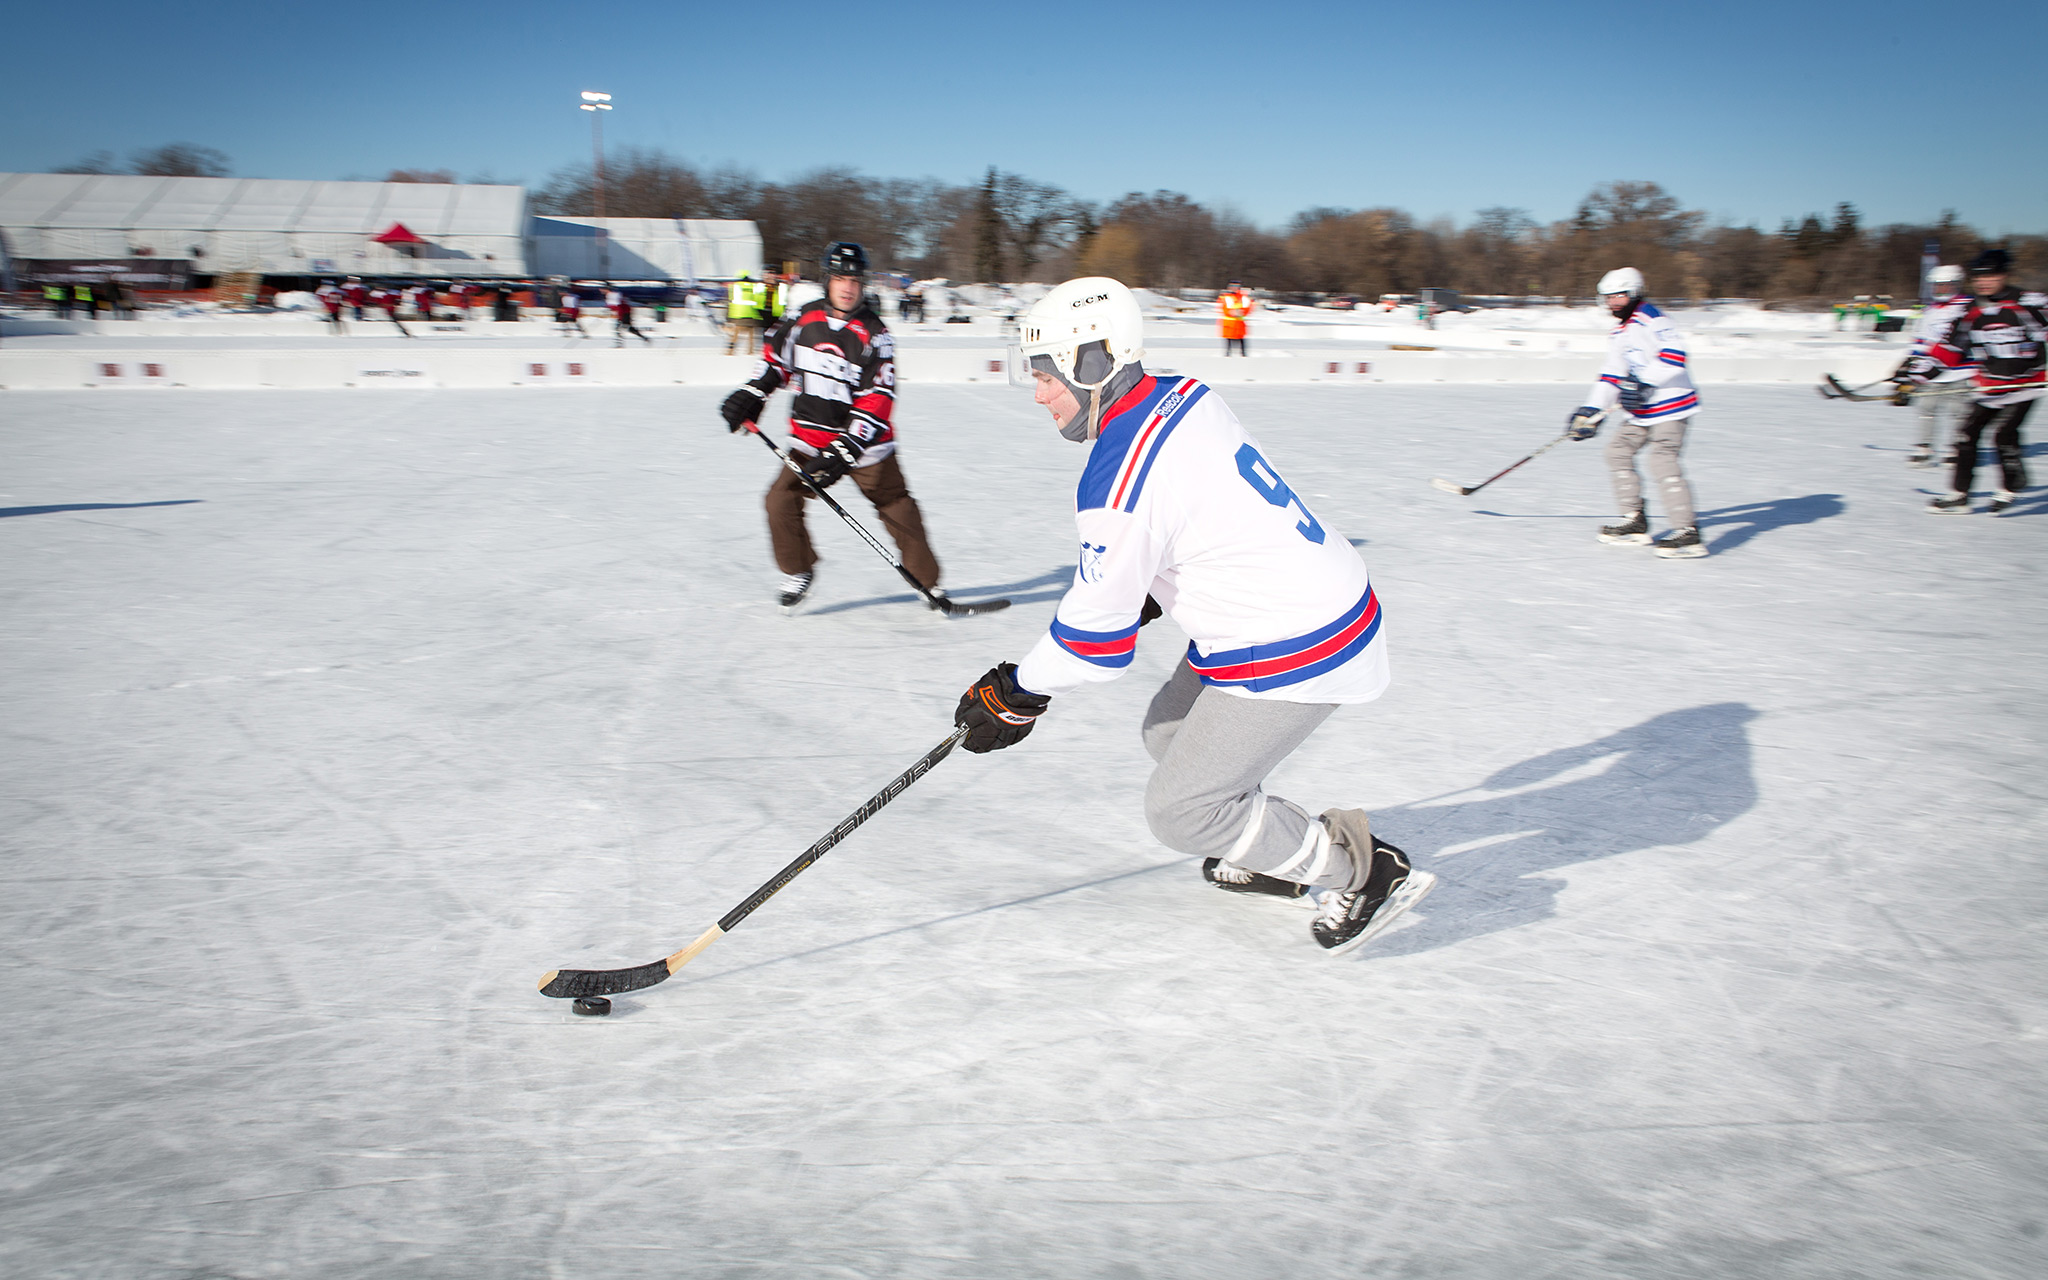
(1681, 553)
(1625, 539)
(1413, 890)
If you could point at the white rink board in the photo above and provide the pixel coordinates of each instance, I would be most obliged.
(337, 720)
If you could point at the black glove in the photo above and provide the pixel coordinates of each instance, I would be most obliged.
(1584, 423)
(1635, 393)
(741, 407)
(1150, 611)
(831, 462)
(996, 713)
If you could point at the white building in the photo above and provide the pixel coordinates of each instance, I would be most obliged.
(685, 250)
(277, 227)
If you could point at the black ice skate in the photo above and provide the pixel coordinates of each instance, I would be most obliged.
(1238, 880)
(794, 588)
(1955, 504)
(1681, 544)
(1348, 920)
(2002, 501)
(1634, 531)
(1920, 457)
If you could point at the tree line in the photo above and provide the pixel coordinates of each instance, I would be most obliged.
(1012, 228)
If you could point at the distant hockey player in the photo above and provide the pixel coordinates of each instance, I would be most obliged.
(331, 298)
(358, 295)
(1180, 512)
(1946, 282)
(835, 353)
(1645, 374)
(569, 312)
(2002, 333)
(622, 318)
(1233, 308)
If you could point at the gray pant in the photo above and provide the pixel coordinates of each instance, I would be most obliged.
(1204, 798)
(1665, 440)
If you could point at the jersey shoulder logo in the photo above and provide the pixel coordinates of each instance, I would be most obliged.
(1091, 561)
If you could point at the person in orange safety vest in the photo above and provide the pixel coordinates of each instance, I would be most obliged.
(1232, 306)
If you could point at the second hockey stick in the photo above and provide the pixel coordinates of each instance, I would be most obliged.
(1467, 490)
(574, 983)
(941, 603)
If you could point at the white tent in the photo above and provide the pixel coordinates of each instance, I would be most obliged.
(683, 249)
(272, 226)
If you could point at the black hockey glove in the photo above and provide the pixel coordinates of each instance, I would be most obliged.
(1150, 611)
(741, 407)
(1584, 423)
(996, 713)
(831, 462)
(1635, 393)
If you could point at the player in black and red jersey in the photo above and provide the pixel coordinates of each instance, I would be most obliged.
(838, 357)
(2003, 332)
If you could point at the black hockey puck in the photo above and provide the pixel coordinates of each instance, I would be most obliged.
(593, 1006)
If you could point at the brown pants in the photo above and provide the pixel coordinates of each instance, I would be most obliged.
(884, 486)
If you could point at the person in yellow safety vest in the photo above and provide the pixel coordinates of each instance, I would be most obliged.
(745, 300)
(59, 299)
(82, 295)
(1232, 306)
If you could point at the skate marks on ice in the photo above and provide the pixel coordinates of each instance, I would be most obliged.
(1670, 780)
(1050, 585)
(93, 506)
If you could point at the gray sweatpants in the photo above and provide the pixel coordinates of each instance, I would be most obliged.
(1665, 440)
(1204, 798)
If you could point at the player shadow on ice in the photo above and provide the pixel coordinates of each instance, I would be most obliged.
(1670, 780)
(92, 506)
(1753, 518)
(1050, 585)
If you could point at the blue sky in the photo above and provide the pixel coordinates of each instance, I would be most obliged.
(1750, 111)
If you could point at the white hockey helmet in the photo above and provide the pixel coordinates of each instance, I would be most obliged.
(1626, 280)
(1085, 329)
(1947, 274)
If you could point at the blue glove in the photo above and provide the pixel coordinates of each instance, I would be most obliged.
(1585, 422)
(1635, 393)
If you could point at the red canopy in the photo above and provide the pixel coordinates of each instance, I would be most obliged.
(399, 234)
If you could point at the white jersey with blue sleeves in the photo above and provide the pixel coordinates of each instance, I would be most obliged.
(1177, 502)
(1647, 348)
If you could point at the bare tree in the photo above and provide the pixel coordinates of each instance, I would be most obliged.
(439, 176)
(97, 162)
(180, 160)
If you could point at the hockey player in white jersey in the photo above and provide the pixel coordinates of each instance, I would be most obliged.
(1180, 511)
(1645, 374)
(1936, 411)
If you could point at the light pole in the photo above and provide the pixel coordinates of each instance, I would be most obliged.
(597, 104)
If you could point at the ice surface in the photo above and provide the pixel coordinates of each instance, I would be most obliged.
(335, 720)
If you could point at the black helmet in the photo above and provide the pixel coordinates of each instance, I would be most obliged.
(1991, 262)
(844, 258)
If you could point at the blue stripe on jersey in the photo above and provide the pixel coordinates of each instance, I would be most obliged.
(1687, 401)
(1159, 439)
(1114, 441)
(1280, 663)
(1103, 648)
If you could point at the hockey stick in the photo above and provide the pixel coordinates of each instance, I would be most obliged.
(948, 607)
(1467, 490)
(567, 983)
(1831, 388)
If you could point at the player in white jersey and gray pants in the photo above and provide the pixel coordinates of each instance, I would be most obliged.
(1645, 374)
(1180, 511)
